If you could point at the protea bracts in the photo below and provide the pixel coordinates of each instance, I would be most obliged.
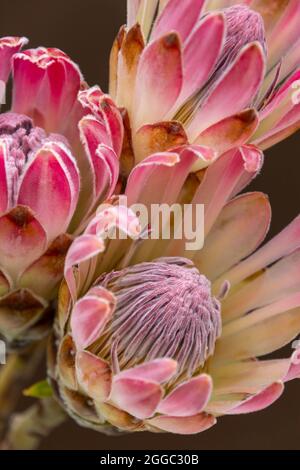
(59, 150)
(150, 336)
(219, 74)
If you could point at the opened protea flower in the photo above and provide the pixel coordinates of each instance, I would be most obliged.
(59, 149)
(152, 336)
(220, 73)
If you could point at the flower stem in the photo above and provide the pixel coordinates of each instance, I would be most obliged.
(14, 376)
(29, 427)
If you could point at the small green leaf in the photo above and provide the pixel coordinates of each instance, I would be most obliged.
(39, 390)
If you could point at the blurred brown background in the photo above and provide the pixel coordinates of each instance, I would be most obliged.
(85, 30)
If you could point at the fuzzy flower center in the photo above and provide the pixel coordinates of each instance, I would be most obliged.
(164, 309)
(22, 140)
(243, 27)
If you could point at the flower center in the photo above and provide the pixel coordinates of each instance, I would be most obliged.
(164, 309)
(22, 137)
(243, 27)
(22, 140)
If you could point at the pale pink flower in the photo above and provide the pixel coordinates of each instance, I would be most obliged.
(218, 74)
(150, 336)
(59, 157)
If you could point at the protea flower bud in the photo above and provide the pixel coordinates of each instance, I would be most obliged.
(59, 149)
(39, 194)
(171, 344)
(163, 309)
(226, 74)
(141, 337)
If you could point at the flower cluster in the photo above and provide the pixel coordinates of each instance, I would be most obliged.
(149, 335)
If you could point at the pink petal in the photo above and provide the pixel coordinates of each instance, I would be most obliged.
(223, 180)
(203, 46)
(277, 136)
(183, 425)
(281, 245)
(263, 331)
(178, 16)
(94, 375)
(291, 61)
(90, 99)
(160, 177)
(289, 124)
(285, 33)
(70, 164)
(138, 397)
(52, 82)
(146, 14)
(158, 137)
(127, 62)
(104, 110)
(114, 58)
(132, 11)
(282, 104)
(159, 370)
(260, 401)
(232, 131)
(89, 317)
(161, 58)
(247, 219)
(83, 248)
(103, 293)
(114, 216)
(294, 369)
(8, 47)
(86, 247)
(103, 159)
(44, 275)
(111, 166)
(22, 240)
(50, 187)
(235, 90)
(247, 377)
(113, 120)
(253, 160)
(27, 75)
(278, 281)
(189, 398)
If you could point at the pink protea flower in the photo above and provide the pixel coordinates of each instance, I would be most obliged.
(59, 150)
(150, 336)
(218, 74)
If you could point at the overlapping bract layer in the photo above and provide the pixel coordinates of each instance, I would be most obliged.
(203, 73)
(59, 157)
(100, 386)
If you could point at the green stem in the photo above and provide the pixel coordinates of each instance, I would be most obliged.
(28, 428)
(14, 376)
